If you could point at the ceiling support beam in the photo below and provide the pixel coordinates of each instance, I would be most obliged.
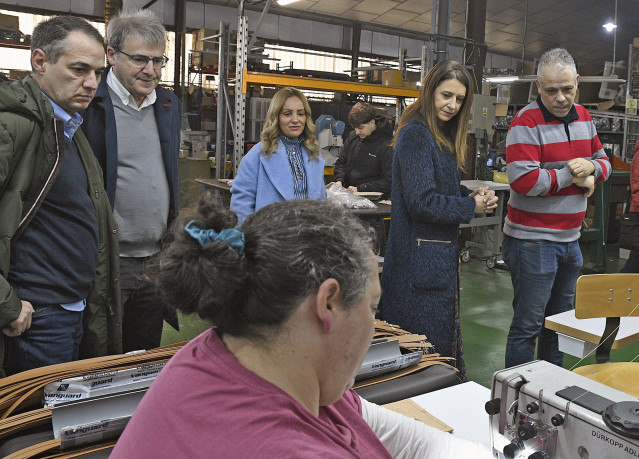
(180, 47)
(475, 50)
(357, 36)
(443, 30)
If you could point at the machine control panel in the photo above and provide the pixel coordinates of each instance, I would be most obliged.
(541, 411)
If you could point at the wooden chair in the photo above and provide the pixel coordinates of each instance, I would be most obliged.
(611, 296)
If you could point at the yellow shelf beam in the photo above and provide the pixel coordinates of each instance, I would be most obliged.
(272, 79)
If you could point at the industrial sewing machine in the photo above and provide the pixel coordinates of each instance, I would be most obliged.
(329, 135)
(541, 411)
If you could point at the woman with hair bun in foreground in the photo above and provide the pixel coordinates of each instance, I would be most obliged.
(291, 297)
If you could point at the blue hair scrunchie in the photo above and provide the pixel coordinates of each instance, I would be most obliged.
(204, 236)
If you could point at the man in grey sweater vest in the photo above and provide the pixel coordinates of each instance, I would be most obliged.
(134, 130)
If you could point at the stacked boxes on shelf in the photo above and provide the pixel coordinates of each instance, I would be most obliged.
(9, 26)
(633, 88)
(10, 30)
(208, 58)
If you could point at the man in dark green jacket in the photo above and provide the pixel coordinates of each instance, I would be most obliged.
(59, 292)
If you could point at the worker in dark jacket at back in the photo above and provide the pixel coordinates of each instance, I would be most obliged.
(365, 162)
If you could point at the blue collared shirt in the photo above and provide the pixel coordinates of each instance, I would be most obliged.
(71, 122)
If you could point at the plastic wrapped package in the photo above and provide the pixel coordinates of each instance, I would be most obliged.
(344, 197)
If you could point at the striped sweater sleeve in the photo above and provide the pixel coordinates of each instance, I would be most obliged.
(529, 172)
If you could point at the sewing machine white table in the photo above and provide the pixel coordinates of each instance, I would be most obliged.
(461, 407)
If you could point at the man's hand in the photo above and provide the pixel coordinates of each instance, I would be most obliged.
(580, 167)
(339, 182)
(22, 323)
(587, 183)
(352, 188)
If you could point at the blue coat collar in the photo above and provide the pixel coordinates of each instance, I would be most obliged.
(278, 170)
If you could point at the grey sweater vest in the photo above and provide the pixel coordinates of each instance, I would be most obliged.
(141, 207)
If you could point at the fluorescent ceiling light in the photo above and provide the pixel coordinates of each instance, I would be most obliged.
(285, 2)
(609, 26)
(502, 79)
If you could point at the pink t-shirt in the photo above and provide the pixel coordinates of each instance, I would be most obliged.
(205, 404)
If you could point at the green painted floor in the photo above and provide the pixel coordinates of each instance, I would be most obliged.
(486, 312)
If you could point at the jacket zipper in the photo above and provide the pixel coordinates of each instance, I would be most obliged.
(419, 241)
(46, 183)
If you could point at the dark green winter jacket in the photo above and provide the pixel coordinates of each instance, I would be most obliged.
(32, 145)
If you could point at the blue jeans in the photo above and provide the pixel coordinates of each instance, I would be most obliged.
(54, 337)
(632, 265)
(544, 276)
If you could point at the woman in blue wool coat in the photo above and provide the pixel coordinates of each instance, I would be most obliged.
(286, 165)
(420, 281)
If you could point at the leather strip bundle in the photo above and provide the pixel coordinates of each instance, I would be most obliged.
(21, 394)
(21, 397)
(409, 342)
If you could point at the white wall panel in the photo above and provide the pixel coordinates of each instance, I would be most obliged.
(89, 8)
(195, 15)
(55, 6)
(385, 44)
(498, 61)
(325, 34)
(163, 8)
(413, 47)
(291, 29)
(214, 14)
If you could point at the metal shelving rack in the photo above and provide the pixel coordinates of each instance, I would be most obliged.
(244, 79)
(631, 127)
(271, 79)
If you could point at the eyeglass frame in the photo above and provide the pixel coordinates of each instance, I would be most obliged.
(132, 58)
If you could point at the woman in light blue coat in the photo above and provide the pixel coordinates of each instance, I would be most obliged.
(286, 164)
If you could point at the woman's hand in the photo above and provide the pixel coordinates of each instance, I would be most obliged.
(485, 200)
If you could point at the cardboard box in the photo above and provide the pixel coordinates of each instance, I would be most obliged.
(208, 44)
(503, 93)
(188, 170)
(9, 23)
(392, 78)
(208, 125)
(501, 110)
(198, 150)
(195, 136)
(635, 42)
(409, 84)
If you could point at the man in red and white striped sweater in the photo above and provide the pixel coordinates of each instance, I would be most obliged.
(554, 160)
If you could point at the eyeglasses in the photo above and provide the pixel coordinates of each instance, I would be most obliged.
(142, 61)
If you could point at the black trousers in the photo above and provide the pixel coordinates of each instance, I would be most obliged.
(143, 311)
